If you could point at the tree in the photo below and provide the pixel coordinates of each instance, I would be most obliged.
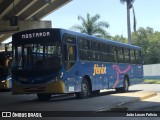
(148, 40)
(91, 26)
(119, 38)
(129, 4)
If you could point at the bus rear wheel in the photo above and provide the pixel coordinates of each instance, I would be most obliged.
(85, 89)
(125, 87)
(43, 96)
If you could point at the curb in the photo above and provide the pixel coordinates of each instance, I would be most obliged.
(147, 96)
(108, 108)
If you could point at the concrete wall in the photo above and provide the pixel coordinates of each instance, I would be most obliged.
(152, 71)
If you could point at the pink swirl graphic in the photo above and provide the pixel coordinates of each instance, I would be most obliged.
(118, 71)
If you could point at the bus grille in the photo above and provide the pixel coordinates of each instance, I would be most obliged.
(36, 89)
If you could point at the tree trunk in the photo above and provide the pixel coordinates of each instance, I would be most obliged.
(128, 22)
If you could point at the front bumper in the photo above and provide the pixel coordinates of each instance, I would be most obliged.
(55, 87)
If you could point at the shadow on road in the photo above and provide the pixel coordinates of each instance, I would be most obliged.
(5, 90)
(63, 102)
(66, 97)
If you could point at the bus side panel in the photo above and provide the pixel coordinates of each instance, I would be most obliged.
(134, 73)
(72, 79)
(117, 73)
(95, 71)
(137, 76)
(113, 77)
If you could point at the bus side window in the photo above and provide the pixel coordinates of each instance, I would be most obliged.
(102, 54)
(132, 56)
(120, 55)
(123, 55)
(70, 52)
(112, 54)
(116, 54)
(127, 55)
(95, 56)
(138, 57)
(84, 46)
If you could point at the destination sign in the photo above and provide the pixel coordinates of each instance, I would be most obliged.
(35, 35)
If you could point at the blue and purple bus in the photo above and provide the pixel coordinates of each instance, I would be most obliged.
(54, 61)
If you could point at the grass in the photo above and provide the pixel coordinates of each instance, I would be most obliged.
(152, 81)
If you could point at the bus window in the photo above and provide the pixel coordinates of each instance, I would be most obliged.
(37, 56)
(95, 56)
(70, 39)
(127, 55)
(138, 57)
(112, 55)
(107, 53)
(70, 52)
(116, 54)
(103, 54)
(123, 55)
(132, 56)
(84, 46)
(120, 55)
(19, 50)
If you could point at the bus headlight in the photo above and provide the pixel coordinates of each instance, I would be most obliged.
(59, 75)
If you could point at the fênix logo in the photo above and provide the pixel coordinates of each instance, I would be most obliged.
(99, 69)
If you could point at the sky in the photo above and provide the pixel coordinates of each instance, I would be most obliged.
(111, 11)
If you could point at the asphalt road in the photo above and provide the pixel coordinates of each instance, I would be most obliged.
(100, 102)
(59, 103)
(149, 104)
(70, 102)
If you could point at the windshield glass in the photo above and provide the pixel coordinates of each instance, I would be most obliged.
(37, 57)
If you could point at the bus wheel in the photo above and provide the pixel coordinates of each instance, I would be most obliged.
(125, 87)
(43, 96)
(85, 89)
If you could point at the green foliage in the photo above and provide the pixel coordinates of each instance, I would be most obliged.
(120, 38)
(148, 39)
(150, 81)
(91, 26)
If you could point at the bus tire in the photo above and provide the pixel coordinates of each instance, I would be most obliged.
(125, 87)
(85, 89)
(126, 84)
(43, 96)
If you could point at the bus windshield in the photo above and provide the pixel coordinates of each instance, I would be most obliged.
(37, 58)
